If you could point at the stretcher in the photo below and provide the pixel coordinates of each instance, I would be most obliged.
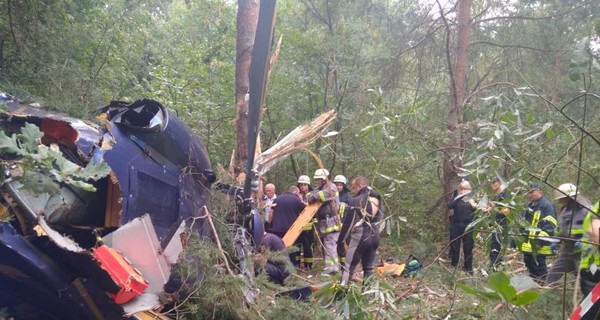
(303, 219)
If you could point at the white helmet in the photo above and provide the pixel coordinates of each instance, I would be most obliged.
(565, 190)
(321, 174)
(340, 178)
(304, 179)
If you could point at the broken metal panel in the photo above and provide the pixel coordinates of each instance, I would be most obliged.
(137, 241)
(174, 245)
(146, 301)
(71, 207)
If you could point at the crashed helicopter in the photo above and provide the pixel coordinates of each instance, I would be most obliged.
(101, 248)
(93, 218)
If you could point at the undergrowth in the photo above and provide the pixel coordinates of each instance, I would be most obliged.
(435, 293)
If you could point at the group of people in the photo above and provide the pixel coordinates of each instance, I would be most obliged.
(345, 226)
(575, 226)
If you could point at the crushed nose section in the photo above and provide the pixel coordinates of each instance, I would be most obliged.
(161, 166)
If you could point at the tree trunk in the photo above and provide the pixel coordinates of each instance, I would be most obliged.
(247, 19)
(458, 73)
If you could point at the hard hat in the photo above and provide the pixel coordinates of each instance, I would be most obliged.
(304, 179)
(321, 174)
(340, 178)
(565, 190)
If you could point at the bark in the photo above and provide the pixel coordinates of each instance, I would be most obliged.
(247, 19)
(458, 76)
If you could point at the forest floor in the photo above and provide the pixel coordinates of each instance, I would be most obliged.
(435, 292)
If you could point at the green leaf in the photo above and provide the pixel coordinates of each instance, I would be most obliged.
(9, 144)
(95, 171)
(39, 183)
(30, 137)
(525, 298)
(500, 283)
(483, 294)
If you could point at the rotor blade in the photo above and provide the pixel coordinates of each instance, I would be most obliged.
(258, 81)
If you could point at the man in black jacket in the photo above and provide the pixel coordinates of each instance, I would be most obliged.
(361, 227)
(463, 206)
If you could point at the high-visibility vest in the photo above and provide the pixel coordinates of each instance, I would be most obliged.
(533, 235)
(589, 252)
(309, 225)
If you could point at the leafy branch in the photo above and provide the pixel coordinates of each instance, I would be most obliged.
(43, 169)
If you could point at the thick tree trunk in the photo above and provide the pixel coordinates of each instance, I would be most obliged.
(453, 154)
(247, 18)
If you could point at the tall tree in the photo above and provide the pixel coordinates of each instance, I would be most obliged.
(247, 19)
(458, 77)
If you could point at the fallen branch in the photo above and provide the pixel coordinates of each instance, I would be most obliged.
(212, 227)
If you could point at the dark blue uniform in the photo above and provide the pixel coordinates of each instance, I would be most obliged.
(276, 271)
(496, 242)
(463, 216)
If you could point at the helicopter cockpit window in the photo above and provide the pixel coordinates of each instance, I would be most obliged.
(143, 115)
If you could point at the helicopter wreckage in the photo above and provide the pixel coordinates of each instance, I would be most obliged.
(101, 246)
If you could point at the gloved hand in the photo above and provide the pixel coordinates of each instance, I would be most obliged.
(578, 245)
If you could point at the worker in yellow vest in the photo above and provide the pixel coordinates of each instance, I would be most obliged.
(542, 222)
(307, 237)
(590, 251)
(574, 208)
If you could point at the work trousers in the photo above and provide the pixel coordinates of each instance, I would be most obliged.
(341, 252)
(496, 249)
(362, 248)
(305, 242)
(567, 261)
(536, 265)
(276, 272)
(458, 236)
(330, 251)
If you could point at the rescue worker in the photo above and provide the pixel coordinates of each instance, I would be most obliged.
(574, 208)
(590, 256)
(304, 185)
(463, 207)
(541, 218)
(276, 270)
(345, 198)
(500, 211)
(343, 191)
(341, 245)
(307, 236)
(328, 220)
(361, 228)
(285, 210)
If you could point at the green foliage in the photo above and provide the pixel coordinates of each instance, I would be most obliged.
(44, 169)
(515, 291)
(376, 299)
